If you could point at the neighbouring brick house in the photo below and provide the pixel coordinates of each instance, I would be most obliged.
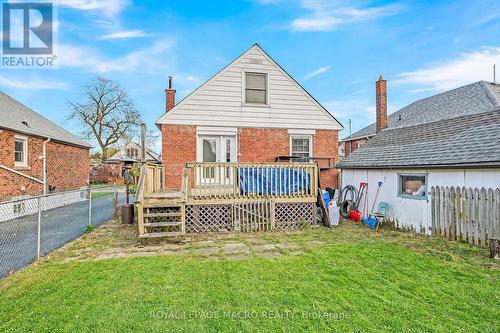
(250, 111)
(23, 135)
(106, 173)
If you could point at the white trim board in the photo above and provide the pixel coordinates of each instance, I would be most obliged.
(292, 131)
(216, 130)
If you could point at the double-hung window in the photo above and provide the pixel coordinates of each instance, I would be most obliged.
(21, 151)
(256, 88)
(301, 146)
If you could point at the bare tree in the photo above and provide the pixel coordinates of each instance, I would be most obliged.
(107, 115)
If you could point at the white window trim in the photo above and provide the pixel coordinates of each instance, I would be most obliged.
(220, 137)
(302, 136)
(25, 152)
(243, 88)
(408, 196)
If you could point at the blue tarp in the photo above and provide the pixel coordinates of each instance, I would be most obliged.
(274, 181)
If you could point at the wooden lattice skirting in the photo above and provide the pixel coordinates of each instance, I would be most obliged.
(256, 215)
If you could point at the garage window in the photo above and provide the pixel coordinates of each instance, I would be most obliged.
(413, 186)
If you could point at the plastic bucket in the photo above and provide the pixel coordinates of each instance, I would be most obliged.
(355, 215)
(371, 222)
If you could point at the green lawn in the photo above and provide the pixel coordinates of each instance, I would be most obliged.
(349, 279)
(100, 185)
(96, 195)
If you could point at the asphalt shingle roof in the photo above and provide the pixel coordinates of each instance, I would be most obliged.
(474, 98)
(466, 140)
(13, 114)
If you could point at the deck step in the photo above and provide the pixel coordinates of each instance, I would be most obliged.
(161, 234)
(172, 214)
(162, 205)
(166, 195)
(162, 224)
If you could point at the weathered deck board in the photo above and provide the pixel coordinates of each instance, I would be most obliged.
(241, 197)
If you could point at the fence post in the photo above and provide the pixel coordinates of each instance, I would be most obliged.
(38, 248)
(90, 206)
(115, 202)
(272, 214)
(453, 210)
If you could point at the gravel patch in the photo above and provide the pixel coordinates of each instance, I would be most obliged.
(206, 251)
(234, 248)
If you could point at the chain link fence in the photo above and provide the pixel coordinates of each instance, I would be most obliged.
(32, 227)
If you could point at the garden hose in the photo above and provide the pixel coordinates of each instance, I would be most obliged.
(347, 198)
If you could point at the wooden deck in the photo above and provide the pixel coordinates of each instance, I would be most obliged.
(220, 197)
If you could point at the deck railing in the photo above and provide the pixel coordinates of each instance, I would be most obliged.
(150, 181)
(212, 181)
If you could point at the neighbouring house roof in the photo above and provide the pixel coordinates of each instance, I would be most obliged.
(470, 140)
(218, 101)
(474, 98)
(121, 155)
(19, 118)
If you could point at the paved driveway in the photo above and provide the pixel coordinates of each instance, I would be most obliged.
(18, 237)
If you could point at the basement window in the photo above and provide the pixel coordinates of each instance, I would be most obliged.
(18, 208)
(21, 151)
(413, 186)
(256, 88)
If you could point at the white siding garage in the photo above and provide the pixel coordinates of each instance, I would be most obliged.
(415, 213)
(457, 152)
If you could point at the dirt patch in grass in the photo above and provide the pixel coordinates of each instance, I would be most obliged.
(114, 240)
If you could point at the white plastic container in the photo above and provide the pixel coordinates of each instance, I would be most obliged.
(333, 213)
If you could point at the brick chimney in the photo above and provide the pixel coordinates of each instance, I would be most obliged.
(381, 97)
(170, 95)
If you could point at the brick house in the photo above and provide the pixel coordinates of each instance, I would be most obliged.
(250, 111)
(24, 137)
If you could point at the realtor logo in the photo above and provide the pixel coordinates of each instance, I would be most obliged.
(28, 34)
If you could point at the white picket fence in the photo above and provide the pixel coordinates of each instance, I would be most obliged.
(466, 214)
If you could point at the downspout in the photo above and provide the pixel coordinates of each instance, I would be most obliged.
(44, 158)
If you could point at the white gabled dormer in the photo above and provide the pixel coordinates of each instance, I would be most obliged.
(252, 91)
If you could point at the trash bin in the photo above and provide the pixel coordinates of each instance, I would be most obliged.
(127, 213)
